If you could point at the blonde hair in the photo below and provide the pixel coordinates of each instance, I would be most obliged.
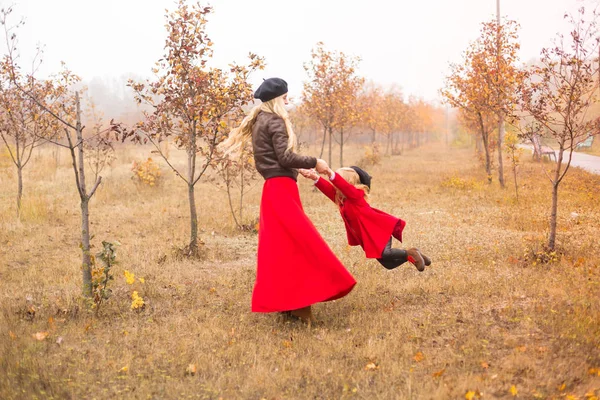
(239, 137)
(352, 178)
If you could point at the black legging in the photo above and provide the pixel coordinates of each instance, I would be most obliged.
(392, 258)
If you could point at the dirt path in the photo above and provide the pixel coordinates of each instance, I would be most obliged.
(584, 161)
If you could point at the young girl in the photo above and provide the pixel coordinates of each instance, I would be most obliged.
(366, 226)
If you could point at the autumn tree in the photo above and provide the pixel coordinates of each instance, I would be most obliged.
(370, 102)
(62, 105)
(99, 150)
(467, 90)
(191, 101)
(558, 93)
(330, 93)
(494, 58)
(23, 124)
(393, 110)
(236, 176)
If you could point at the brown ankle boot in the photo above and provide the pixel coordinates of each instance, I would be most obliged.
(304, 314)
(415, 258)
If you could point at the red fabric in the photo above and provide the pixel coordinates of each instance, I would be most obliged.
(295, 268)
(365, 226)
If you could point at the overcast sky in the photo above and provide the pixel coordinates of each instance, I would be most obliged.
(407, 42)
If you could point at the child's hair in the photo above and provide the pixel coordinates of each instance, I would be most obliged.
(352, 178)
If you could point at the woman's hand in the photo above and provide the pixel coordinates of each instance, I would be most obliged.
(309, 173)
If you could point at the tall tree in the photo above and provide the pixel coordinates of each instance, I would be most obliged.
(466, 89)
(494, 57)
(558, 94)
(370, 107)
(24, 125)
(331, 91)
(62, 103)
(191, 101)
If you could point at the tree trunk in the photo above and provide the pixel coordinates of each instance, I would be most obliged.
(86, 266)
(341, 148)
(500, 141)
(485, 138)
(242, 195)
(387, 145)
(85, 248)
(323, 144)
(373, 137)
(330, 138)
(193, 219)
(20, 189)
(553, 214)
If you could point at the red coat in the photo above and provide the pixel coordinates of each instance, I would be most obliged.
(365, 226)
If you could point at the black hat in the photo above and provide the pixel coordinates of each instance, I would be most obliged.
(271, 88)
(365, 178)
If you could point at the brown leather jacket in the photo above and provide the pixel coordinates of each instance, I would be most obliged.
(269, 142)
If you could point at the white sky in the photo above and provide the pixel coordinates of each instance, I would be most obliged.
(407, 42)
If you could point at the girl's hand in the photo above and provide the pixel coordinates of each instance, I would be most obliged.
(309, 173)
(321, 166)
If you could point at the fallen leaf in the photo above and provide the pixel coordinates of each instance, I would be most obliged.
(124, 369)
(562, 387)
(40, 335)
(485, 365)
(470, 395)
(191, 369)
(418, 357)
(439, 373)
(371, 366)
(59, 340)
(594, 371)
(513, 390)
(12, 335)
(571, 397)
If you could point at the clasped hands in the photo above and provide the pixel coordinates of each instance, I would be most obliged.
(320, 168)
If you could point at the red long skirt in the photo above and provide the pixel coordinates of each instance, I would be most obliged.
(296, 268)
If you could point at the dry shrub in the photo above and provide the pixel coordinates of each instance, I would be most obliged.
(371, 157)
(456, 182)
(146, 172)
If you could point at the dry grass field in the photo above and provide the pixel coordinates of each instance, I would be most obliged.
(487, 320)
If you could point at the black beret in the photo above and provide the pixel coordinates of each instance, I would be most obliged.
(271, 88)
(365, 178)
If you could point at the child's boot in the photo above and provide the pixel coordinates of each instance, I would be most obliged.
(426, 259)
(415, 258)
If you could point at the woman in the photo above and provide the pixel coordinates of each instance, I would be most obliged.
(295, 266)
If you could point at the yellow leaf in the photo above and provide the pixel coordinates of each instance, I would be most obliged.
(571, 397)
(191, 369)
(142, 280)
(485, 365)
(371, 366)
(418, 357)
(513, 390)
(12, 335)
(470, 395)
(129, 277)
(40, 335)
(124, 369)
(594, 371)
(136, 301)
(439, 373)
(562, 387)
